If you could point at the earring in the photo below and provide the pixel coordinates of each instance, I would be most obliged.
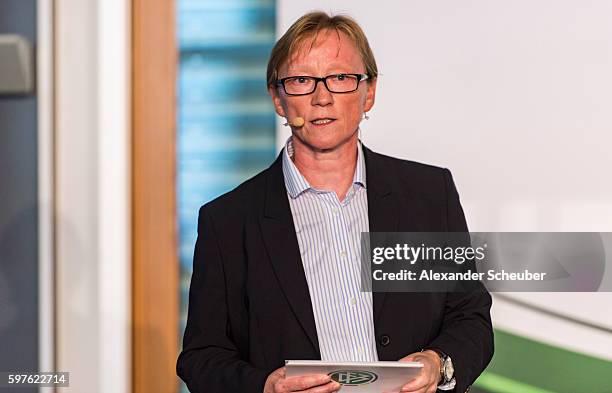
(365, 116)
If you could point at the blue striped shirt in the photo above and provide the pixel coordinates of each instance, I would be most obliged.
(328, 232)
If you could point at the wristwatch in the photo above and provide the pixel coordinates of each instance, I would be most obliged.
(447, 370)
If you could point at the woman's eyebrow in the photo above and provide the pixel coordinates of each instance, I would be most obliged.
(334, 69)
(330, 64)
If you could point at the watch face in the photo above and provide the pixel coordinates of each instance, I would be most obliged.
(449, 370)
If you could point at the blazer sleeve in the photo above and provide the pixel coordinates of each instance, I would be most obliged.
(466, 334)
(210, 361)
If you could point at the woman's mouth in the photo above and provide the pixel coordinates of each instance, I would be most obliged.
(322, 121)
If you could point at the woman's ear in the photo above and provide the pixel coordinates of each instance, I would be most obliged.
(370, 95)
(276, 100)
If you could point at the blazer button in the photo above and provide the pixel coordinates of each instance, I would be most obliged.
(385, 340)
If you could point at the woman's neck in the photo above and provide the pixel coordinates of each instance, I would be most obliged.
(331, 170)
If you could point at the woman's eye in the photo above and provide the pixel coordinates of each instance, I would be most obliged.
(301, 80)
(341, 77)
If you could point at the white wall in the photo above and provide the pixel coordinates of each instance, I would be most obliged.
(92, 194)
(514, 97)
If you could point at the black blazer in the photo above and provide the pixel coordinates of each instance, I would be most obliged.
(249, 305)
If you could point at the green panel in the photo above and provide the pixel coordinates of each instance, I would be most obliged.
(497, 384)
(521, 365)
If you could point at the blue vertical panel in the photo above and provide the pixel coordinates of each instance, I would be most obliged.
(226, 121)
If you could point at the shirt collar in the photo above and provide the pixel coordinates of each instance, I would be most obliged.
(297, 184)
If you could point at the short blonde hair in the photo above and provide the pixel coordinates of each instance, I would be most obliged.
(309, 26)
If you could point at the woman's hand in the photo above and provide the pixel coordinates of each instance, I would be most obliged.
(315, 383)
(428, 379)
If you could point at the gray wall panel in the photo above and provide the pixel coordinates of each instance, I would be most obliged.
(18, 211)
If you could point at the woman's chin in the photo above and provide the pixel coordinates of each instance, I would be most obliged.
(323, 144)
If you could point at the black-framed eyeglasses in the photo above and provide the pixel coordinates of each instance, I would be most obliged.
(337, 83)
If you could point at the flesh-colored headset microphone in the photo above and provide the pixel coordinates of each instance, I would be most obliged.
(295, 122)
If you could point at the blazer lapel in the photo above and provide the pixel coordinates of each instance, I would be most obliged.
(383, 207)
(283, 248)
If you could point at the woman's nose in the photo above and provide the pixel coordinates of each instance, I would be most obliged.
(322, 96)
